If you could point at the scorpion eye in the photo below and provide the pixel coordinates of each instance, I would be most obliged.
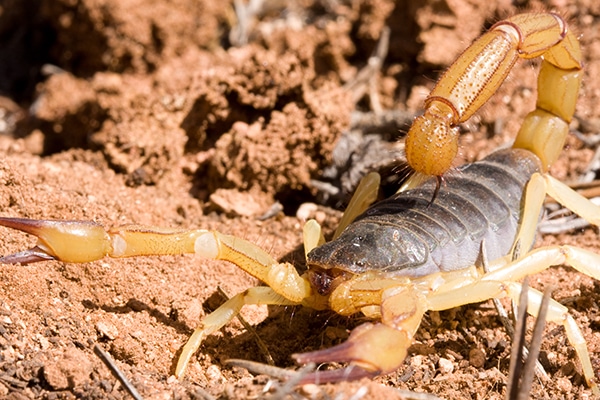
(357, 240)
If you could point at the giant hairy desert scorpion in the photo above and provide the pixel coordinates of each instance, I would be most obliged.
(405, 255)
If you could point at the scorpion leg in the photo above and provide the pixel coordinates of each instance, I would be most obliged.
(537, 188)
(223, 315)
(312, 235)
(584, 261)
(364, 196)
(491, 285)
(495, 286)
(572, 200)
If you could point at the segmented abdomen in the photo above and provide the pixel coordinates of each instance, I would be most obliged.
(477, 206)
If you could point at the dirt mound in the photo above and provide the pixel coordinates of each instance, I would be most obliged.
(224, 116)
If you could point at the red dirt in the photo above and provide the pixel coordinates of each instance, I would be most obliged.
(166, 113)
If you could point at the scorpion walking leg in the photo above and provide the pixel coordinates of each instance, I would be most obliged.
(364, 196)
(537, 188)
(583, 261)
(572, 200)
(223, 315)
(486, 289)
(559, 314)
(312, 235)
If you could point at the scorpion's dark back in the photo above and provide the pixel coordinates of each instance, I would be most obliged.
(407, 234)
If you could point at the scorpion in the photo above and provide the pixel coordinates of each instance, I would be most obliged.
(395, 260)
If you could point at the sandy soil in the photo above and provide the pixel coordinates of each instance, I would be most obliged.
(180, 113)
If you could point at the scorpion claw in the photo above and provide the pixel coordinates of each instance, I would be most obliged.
(35, 254)
(31, 226)
(70, 241)
(350, 373)
(368, 351)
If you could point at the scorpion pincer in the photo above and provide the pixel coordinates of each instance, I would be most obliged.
(407, 254)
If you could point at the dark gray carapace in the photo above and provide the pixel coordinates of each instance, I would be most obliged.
(478, 205)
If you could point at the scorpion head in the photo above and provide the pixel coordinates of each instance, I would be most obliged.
(337, 261)
(366, 247)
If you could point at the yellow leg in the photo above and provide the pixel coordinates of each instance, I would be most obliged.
(572, 200)
(537, 188)
(312, 235)
(488, 289)
(364, 196)
(582, 260)
(559, 314)
(534, 196)
(223, 315)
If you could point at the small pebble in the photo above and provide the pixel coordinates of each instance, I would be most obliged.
(213, 374)
(68, 370)
(477, 358)
(107, 330)
(306, 211)
(311, 390)
(445, 366)
(564, 385)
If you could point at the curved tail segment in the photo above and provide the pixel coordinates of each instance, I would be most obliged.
(432, 141)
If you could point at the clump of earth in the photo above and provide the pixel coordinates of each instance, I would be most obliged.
(247, 119)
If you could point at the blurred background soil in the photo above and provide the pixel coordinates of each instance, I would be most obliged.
(248, 118)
